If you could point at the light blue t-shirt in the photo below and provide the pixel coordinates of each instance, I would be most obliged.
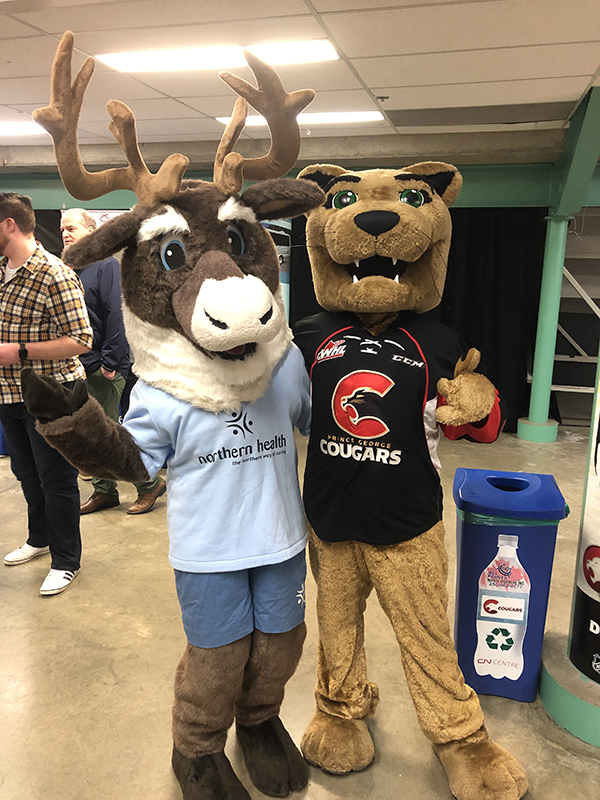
(233, 498)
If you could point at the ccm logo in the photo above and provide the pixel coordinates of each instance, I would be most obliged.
(490, 606)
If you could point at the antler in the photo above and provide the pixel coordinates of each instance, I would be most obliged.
(61, 119)
(279, 108)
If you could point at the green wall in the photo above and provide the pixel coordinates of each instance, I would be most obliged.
(502, 185)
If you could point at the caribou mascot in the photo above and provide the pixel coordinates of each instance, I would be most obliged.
(387, 381)
(221, 388)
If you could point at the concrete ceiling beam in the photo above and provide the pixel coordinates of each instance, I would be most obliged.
(393, 150)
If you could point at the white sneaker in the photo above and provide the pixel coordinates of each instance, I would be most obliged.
(57, 580)
(24, 553)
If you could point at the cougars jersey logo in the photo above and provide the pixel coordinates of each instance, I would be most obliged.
(356, 403)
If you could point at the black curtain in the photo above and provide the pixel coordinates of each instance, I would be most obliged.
(491, 295)
(47, 230)
(303, 302)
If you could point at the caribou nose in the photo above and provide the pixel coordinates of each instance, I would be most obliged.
(376, 222)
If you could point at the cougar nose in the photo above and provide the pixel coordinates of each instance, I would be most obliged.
(376, 222)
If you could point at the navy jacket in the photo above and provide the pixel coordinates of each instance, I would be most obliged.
(102, 288)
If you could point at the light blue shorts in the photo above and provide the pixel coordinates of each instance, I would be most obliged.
(220, 607)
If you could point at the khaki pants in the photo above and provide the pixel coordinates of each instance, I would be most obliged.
(410, 581)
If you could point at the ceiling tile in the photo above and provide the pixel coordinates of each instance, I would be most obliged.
(517, 63)
(108, 85)
(373, 129)
(553, 90)
(467, 26)
(329, 75)
(483, 115)
(162, 108)
(166, 127)
(204, 83)
(346, 5)
(25, 90)
(119, 15)
(357, 100)
(14, 115)
(326, 75)
(22, 58)
(10, 28)
(253, 31)
(183, 137)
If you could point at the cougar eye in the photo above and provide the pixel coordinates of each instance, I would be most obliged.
(172, 253)
(235, 240)
(413, 197)
(343, 199)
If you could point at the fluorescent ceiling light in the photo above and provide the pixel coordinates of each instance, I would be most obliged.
(324, 118)
(20, 129)
(198, 58)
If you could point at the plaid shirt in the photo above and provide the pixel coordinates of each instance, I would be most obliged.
(42, 301)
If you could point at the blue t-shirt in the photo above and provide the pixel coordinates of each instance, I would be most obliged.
(233, 494)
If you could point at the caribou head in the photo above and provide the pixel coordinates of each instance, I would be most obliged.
(200, 274)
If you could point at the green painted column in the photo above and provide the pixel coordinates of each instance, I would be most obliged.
(537, 427)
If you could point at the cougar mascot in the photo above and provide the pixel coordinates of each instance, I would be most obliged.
(386, 382)
(221, 388)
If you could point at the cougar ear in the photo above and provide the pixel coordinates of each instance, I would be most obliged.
(321, 173)
(443, 178)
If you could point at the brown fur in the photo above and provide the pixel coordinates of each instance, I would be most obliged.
(376, 256)
(421, 238)
(245, 679)
(95, 444)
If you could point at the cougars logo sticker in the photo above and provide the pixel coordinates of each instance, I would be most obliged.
(356, 403)
(591, 567)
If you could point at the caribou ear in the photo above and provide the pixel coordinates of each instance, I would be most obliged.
(282, 198)
(106, 240)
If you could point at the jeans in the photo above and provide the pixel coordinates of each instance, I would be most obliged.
(49, 484)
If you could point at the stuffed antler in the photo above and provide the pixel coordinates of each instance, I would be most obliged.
(61, 119)
(279, 108)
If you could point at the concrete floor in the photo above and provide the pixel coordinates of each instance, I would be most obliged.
(86, 677)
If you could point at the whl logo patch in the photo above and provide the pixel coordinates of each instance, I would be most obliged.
(499, 638)
(356, 403)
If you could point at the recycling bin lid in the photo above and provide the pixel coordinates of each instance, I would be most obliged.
(517, 495)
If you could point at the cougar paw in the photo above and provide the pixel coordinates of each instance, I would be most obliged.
(209, 777)
(479, 769)
(274, 763)
(337, 745)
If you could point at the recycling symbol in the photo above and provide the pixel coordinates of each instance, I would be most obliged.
(499, 637)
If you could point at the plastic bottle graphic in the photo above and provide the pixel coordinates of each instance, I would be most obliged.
(502, 609)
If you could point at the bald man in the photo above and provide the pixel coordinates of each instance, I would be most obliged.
(107, 364)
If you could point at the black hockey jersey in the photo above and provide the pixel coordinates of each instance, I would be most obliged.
(372, 466)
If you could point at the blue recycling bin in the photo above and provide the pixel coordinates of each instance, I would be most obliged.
(506, 533)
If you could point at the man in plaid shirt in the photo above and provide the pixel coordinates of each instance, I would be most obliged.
(43, 324)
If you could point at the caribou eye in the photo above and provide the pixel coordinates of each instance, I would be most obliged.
(172, 253)
(235, 240)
